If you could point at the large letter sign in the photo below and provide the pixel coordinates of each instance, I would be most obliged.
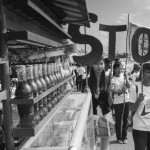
(135, 45)
(96, 45)
(138, 49)
(112, 37)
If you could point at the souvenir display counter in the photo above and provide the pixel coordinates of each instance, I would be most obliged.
(37, 101)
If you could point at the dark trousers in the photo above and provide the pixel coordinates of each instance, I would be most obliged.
(141, 139)
(83, 85)
(77, 85)
(121, 125)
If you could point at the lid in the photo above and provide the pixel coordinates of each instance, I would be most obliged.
(21, 72)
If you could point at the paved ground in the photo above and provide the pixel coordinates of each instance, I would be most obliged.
(115, 146)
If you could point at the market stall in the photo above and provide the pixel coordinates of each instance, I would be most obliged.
(36, 77)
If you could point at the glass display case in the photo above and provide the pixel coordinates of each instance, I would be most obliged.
(69, 127)
(88, 141)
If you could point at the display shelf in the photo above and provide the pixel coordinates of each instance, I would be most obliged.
(16, 22)
(27, 37)
(36, 99)
(37, 12)
(17, 132)
(71, 117)
(61, 126)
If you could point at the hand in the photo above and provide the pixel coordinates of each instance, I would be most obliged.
(111, 88)
(125, 74)
(141, 97)
(129, 73)
(88, 89)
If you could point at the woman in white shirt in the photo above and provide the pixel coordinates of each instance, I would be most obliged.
(141, 109)
(119, 87)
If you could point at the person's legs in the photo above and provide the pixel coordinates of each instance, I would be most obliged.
(77, 85)
(140, 139)
(118, 114)
(104, 144)
(80, 85)
(83, 85)
(125, 122)
(80, 81)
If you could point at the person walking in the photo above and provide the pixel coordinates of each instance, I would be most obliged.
(119, 86)
(81, 72)
(141, 109)
(76, 76)
(108, 67)
(97, 83)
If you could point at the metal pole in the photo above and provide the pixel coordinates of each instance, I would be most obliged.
(124, 77)
(142, 64)
(86, 66)
(7, 112)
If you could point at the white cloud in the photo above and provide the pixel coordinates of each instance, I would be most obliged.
(103, 36)
(148, 7)
(123, 18)
(141, 15)
(141, 5)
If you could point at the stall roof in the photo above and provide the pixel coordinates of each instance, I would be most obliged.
(51, 14)
(70, 11)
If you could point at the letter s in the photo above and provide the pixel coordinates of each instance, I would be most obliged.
(96, 45)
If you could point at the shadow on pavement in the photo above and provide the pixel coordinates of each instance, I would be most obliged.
(113, 142)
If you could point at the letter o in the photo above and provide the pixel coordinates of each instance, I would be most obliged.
(134, 45)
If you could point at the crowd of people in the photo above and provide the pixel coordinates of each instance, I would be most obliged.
(128, 98)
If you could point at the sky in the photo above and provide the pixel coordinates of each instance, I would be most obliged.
(115, 12)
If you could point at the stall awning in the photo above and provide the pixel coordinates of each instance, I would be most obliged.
(70, 11)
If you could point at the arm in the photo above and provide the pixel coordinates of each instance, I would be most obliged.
(127, 81)
(134, 106)
(110, 98)
(110, 92)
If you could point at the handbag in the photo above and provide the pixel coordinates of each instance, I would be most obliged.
(104, 125)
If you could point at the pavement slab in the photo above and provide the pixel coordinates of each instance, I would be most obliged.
(116, 146)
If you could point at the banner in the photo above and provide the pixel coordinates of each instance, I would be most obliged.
(143, 41)
(130, 32)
